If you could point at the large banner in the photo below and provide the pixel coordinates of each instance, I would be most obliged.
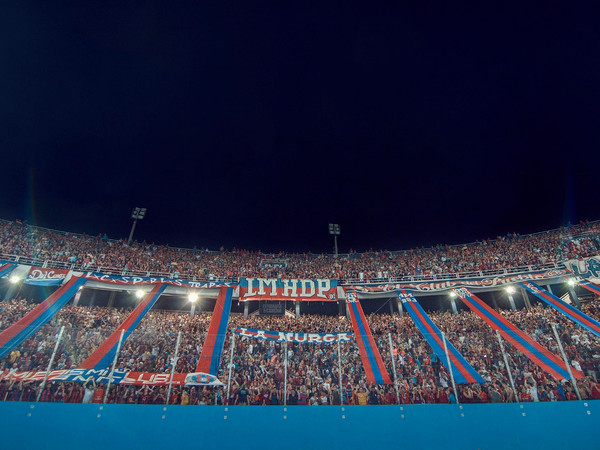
(440, 285)
(572, 313)
(42, 276)
(369, 353)
(38, 316)
(288, 289)
(588, 268)
(210, 357)
(462, 371)
(105, 354)
(535, 352)
(119, 377)
(284, 336)
(133, 280)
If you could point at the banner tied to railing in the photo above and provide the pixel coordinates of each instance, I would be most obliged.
(42, 276)
(272, 289)
(284, 336)
(118, 377)
(134, 280)
(587, 268)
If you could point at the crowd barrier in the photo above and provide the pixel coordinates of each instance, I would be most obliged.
(66, 426)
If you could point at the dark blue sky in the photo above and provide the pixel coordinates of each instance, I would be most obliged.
(254, 125)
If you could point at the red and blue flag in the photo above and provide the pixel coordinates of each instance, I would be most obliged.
(210, 357)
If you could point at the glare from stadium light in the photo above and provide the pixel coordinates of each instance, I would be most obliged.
(452, 294)
(139, 293)
(571, 282)
(193, 297)
(510, 289)
(14, 279)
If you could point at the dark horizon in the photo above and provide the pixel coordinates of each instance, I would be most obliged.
(255, 126)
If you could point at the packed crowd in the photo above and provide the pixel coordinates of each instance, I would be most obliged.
(98, 253)
(313, 375)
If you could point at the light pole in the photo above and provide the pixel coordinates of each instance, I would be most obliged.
(136, 214)
(334, 229)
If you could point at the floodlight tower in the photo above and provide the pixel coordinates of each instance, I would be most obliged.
(334, 229)
(136, 214)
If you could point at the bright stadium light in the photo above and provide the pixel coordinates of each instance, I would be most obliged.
(139, 293)
(571, 282)
(510, 289)
(193, 297)
(452, 294)
(136, 214)
(14, 279)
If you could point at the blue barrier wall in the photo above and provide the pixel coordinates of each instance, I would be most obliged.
(531, 425)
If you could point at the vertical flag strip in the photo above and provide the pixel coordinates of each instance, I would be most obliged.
(572, 313)
(369, 354)
(534, 351)
(105, 354)
(463, 372)
(6, 268)
(589, 286)
(210, 358)
(38, 316)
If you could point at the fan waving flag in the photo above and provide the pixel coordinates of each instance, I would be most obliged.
(572, 313)
(38, 316)
(105, 354)
(210, 358)
(534, 351)
(462, 371)
(369, 354)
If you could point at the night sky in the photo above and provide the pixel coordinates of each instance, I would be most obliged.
(255, 125)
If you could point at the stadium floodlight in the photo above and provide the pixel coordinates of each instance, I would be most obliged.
(335, 230)
(193, 297)
(453, 294)
(14, 279)
(136, 214)
(139, 293)
(510, 289)
(571, 282)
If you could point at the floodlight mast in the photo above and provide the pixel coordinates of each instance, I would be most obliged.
(136, 214)
(334, 228)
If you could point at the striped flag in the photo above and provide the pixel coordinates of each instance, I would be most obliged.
(6, 268)
(210, 358)
(589, 286)
(534, 351)
(462, 371)
(38, 316)
(572, 313)
(105, 354)
(369, 354)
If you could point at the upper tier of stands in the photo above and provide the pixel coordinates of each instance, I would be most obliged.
(508, 254)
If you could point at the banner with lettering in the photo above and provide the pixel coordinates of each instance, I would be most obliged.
(134, 280)
(43, 276)
(588, 268)
(269, 289)
(119, 377)
(284, 336)
(478, 282)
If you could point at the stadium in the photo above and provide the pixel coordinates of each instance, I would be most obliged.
(127, 341)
